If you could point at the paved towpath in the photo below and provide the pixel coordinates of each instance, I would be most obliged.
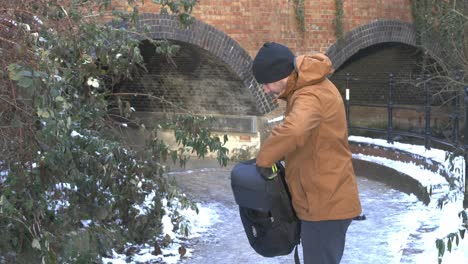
(392, 232)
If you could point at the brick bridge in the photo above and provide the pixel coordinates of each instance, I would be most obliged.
(211, 73)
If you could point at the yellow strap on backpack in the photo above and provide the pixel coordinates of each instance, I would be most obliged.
(274, 171)
(274, 168)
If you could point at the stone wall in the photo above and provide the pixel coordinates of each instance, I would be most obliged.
(242, 132)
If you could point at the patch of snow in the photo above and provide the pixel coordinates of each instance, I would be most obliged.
(425, 177)
(147, 204)
(75, 134)
(93, 81)
(198, 224)
(446, 219)
(276, 119)
(86, 223)
(57, 205)
(38, 20)
(65, 186)
(434, 154)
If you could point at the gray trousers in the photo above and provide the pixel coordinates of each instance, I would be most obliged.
(323, 241)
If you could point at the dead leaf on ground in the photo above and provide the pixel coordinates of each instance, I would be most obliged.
(157, 249)
(182, 251)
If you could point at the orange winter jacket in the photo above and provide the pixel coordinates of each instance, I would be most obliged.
(313, 138)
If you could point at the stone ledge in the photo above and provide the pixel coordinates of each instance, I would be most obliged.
(396, 154)
(392, 177)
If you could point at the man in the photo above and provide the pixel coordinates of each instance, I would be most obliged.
(313, 139)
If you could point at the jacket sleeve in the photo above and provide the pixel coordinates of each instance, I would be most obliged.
(305, 115)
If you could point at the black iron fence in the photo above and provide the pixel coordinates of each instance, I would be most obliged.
(406, 108)
(419, 108)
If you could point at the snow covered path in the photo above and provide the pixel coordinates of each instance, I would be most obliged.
(398, 228)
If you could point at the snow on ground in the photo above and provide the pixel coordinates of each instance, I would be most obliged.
(425, 177)
(446, 219)
(3, 175)
(198, 224)
(433, 154)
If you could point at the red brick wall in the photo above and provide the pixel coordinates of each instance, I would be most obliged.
(357, 13)
(251, 22)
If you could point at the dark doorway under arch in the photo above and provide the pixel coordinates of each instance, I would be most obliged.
(369, 71)
(193, 79)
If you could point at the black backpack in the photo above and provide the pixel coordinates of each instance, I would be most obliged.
(269, 220)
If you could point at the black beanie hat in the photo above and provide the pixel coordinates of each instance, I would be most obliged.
(272, 63)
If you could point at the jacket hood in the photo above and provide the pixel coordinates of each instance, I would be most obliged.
(310, 70)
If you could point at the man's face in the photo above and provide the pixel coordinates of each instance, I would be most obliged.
(274, 88)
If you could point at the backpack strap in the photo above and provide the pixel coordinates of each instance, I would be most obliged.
(296, 256)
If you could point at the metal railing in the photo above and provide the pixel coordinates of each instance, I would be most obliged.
(451, 142)
(454, 101)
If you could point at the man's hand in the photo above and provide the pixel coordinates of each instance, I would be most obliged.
(269, 173)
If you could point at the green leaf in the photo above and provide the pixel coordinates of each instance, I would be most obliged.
(185, 19)
(13, 70)
(188, 5)
(38, 74)
(440, 246)
(29, 204)
(174, 6)
(463, 215)
(449, 245)
(135, 15)
(174, 156)
(43, 113)
(25, 82)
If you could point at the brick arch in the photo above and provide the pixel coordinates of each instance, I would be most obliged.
(214, 41)
(369, 35)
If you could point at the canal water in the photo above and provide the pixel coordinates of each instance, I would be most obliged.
(392, 232)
